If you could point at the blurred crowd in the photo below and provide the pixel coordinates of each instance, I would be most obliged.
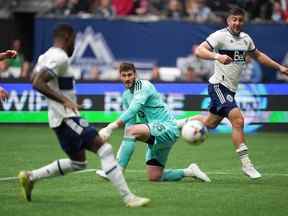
(17, 67)
(194, 10)
(189, 68)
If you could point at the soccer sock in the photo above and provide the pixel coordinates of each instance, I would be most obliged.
(243, 154)
(112, 170)
(172, 175)
(125, 151)
(56, 168)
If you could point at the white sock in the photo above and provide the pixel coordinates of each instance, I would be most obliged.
(243, 154)
(113, 171)
(56, 168)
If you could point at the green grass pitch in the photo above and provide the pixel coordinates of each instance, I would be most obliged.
(229, 193)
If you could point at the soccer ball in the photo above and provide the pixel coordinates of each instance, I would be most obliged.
(194, 132)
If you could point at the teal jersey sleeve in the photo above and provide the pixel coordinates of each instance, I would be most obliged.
(140, 96)
(131, 121)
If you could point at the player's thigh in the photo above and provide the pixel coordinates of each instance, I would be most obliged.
(164, 136)
(157, 154)
(70, 141)
(75, 135)
(139, 131)
(212, 120)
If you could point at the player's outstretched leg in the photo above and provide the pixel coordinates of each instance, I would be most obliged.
(193, 170)
(131, 201)
(114, 174)
(59, 167)
(26, 184)
(237, 122)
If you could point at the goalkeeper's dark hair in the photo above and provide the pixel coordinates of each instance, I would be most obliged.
(63, 31)
(125, 66)
(236, 11)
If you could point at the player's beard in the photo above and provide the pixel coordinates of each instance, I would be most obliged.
(131, 86)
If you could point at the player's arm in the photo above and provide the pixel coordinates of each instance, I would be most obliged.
(139, 98)
(126, 117)
(267, 61)
(8, 54)
(205, 51)
(39, 82)
(3, 94)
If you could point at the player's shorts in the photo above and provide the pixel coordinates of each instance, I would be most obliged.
(74, 134)
(222, 100)
(164, 136)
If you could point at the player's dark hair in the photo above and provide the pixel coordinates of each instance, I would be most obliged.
(237, 11)
(63, 31)
(125, 66)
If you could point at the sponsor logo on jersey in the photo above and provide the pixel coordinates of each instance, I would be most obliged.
(236, 55)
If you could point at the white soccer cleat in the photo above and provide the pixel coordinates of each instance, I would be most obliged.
(194, 171)
(251, 172)
(26, 185)
(135, 201)
(102, 174)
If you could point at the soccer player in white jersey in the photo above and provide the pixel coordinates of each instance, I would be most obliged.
(228, 48)
(3, 56)
(53, 78)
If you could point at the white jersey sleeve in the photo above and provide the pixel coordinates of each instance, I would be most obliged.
(55, 61)
(215, 39)
(251, 46)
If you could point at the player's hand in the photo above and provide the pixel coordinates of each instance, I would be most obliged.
(224, 59)
(11, 53)
(3, 94)
(105, 133)
(283, 69)
(68, 104)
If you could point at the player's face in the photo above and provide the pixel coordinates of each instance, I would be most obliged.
(128, 78)
(235, 23)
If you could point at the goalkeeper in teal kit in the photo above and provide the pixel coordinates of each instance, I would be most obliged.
(148, 119)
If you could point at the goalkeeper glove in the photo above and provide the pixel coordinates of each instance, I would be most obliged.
(106, 132)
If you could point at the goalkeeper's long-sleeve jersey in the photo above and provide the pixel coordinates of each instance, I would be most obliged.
(144, 102)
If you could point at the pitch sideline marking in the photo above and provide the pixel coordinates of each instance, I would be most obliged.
(142, 171)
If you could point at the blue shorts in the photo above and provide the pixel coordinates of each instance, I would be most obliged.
(74, 134)
(222, 100)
